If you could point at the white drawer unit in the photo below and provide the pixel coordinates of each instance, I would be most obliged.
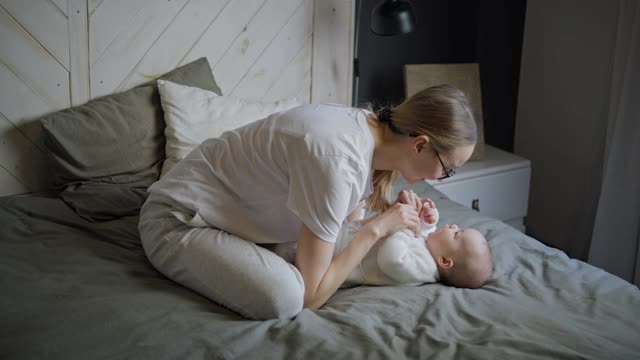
(497, 186)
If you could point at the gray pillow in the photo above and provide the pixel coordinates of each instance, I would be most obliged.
(118, 138)
(104, 154)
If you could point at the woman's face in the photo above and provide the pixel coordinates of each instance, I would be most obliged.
(424, 164)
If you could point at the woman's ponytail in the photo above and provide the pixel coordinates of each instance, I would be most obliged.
(442, 112)
(380, 200)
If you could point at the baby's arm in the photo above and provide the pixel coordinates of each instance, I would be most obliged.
(429, 217)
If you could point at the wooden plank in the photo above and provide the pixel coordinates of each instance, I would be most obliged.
(94, 5)
(183, 32)
(290, 81)
(221, 33)
(61, 5)
(278, 55)
(9, 185)
(122, 55)
(21, 106)
(304, 92)
(17, 101)
(250, 43)
(33, 64)
(79, 44)
(45, 23)
(333, 33)
(107, 21)
(20, 158)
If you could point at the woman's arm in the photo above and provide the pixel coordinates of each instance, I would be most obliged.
(323, 274)
(356, 214)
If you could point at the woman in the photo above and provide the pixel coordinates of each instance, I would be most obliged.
(297, 176)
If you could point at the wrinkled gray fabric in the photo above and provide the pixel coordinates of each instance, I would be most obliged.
(102, 202)
(117, 138)
(103, 154)
(74, 289)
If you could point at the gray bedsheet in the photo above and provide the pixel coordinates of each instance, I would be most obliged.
(74, 289)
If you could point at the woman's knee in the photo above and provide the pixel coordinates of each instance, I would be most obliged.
(233, 272)
(282, 299)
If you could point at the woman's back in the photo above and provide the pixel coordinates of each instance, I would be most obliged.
(310, 163)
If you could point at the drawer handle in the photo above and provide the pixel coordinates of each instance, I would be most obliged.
(475, 204)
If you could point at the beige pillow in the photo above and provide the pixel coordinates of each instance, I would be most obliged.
(193, 115)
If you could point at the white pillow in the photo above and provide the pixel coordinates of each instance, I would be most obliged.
(193, 115)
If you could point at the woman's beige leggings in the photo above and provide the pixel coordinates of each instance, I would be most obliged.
(232, 272)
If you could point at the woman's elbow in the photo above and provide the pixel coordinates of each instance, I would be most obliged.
(311, 302)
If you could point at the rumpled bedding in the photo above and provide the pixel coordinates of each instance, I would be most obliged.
(74, 287)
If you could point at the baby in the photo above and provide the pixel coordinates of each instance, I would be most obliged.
(456, 257)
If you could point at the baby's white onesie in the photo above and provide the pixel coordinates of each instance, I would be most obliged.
(400, 259)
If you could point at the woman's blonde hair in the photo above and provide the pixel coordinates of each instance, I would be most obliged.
(442, 113)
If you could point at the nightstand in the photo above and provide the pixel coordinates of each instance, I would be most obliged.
(497, 186)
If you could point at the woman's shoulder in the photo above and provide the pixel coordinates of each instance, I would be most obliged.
(327, 131)
(330, 108)
(326, 123)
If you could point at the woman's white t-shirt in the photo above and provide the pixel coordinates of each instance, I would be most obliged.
(260, 182)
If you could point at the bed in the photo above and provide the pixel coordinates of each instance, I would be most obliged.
(76, 283)
(79, 289)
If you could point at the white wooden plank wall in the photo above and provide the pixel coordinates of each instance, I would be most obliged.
(59, 53)
(333, 51)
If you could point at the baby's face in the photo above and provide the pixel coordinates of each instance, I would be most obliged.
(449, 239)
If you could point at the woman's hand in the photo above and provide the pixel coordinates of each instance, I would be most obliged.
(397, 217)
(425, 207)
(410, 198)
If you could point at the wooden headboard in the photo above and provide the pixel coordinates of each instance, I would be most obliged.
(59, 53)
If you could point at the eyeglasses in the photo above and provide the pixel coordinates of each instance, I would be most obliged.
(447, 173)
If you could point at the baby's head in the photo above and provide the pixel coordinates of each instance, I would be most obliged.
(463, 256)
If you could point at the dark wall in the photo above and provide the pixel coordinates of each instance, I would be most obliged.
(488, 32)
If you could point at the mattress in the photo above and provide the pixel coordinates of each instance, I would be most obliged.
(74, 288)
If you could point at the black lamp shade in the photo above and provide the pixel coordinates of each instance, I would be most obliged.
(393, 17)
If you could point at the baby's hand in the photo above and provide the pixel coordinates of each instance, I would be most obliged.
(429, 212)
